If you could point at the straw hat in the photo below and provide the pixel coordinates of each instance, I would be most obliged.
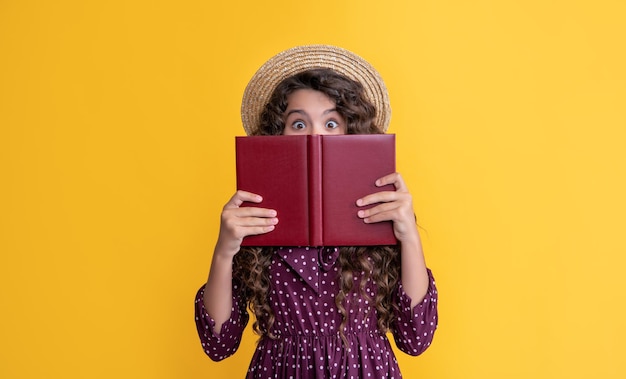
(302, 58)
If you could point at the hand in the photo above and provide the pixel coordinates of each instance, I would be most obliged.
(396, 206)
(238, 222)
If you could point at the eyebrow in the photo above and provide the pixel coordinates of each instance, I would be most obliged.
(327, 111)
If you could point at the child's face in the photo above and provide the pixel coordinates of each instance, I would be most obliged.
(312, 112)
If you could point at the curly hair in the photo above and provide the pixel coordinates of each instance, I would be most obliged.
(347, 94)
(381, 264)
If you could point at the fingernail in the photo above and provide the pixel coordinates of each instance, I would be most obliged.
(361, 213)
(272, 213)
(359, 202)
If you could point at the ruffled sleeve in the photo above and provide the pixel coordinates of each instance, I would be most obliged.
(414, 328)
(225, 343)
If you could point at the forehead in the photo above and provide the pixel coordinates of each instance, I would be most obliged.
(308, 98)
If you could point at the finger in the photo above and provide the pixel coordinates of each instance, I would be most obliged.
(240, 197)
(387, 215)
(383, 212)
(396, 214)
(246, 222)
(252, 231)
(381, 197)
(254, 225)
(395, 179)
(244, 226)
(382, 207)
(251, 212)
(243, 232)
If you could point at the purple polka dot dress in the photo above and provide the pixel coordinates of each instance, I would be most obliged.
(308, 343)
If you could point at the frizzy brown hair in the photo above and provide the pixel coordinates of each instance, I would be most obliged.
(381, 264)
(348, 96)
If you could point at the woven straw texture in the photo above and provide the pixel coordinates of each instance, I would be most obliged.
(302, 58)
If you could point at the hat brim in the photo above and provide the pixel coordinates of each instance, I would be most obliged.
(302, 58)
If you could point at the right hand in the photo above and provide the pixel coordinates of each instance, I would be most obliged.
(238, 222)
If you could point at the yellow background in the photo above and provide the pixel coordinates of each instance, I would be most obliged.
(117, 121)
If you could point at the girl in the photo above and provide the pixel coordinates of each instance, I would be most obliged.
(321, 312)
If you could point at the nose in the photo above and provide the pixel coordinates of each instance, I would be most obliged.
(317, 129)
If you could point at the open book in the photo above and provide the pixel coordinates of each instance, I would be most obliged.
(313, 183)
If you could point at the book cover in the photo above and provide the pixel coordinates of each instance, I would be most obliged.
(313, 183)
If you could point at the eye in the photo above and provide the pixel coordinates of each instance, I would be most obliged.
(299, 125)
(332, 124)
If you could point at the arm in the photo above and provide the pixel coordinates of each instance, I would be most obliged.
(236, 223)
(414, 326)
(220, 345)
(397, 206)
(416, 317)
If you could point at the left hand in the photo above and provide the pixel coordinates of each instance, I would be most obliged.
(395, 206)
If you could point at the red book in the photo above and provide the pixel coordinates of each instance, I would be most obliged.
(313, 183)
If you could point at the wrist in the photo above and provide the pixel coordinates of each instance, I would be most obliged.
(411, 242)
(410, 236)
(225, 251)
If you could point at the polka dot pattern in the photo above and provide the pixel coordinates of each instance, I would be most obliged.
(308, 344)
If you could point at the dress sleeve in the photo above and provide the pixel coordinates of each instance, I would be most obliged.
(414, 328)
(225, 343)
